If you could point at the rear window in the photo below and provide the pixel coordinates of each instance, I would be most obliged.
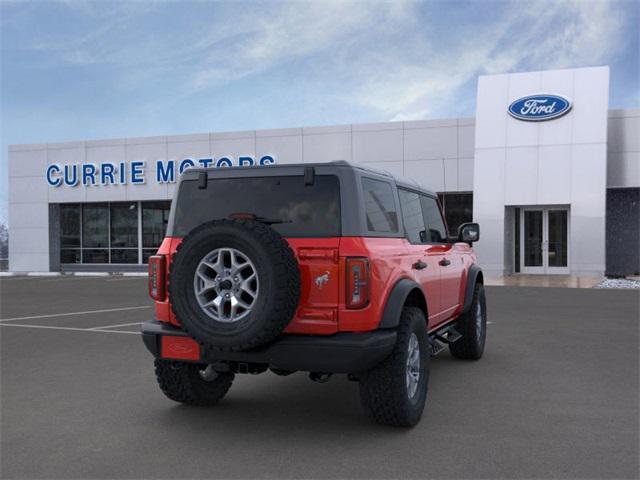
(303, 210)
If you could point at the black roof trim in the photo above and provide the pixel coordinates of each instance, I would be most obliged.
(400, 182)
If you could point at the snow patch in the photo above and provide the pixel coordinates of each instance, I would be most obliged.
(624, 283)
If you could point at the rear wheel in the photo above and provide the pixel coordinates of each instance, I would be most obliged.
(473, 328)
(395, 391)
(191, 383)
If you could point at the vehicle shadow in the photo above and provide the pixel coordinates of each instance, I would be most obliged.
(268, 403)
(291, 405)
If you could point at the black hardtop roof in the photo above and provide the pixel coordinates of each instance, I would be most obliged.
(400, 181)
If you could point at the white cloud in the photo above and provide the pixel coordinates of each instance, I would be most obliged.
(237, 40)
(385, 56)
(531, 35)
(296, 30)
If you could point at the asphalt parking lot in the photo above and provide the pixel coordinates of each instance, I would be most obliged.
(555, 396)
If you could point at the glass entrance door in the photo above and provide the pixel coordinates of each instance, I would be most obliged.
(533, 239)
(557, 241)
(544, 240)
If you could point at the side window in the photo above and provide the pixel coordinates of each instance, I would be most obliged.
(436, 231)
(412, 216)
(380, 207)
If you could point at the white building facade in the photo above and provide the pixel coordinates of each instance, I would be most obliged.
(553, 182)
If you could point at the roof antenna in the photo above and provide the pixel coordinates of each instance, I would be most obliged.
(444, 190)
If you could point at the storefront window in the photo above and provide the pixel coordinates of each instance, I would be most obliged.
(124, 232)
(457, 208)
(70, 233)
(68, 255)
(94, 255)
(95, 225)
(109, 233)
(120, 255)
(155, 216)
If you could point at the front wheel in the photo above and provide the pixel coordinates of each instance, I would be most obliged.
(395, 391)
(192, 384)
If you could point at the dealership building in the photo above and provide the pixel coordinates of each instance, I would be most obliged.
(548, 170)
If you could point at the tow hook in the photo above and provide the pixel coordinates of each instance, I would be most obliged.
(320, 377)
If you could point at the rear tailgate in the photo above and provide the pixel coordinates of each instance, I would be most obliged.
(320, 277)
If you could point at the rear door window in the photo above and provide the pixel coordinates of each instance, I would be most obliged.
(296, 209)
(380, 206)
(412, 216)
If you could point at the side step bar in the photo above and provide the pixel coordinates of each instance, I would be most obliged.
(442, 337)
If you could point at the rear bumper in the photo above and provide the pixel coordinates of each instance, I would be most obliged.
(339, 353)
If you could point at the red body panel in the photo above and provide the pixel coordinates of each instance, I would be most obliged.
(322, 309)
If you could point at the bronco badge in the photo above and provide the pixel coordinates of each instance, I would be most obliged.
(322, 279)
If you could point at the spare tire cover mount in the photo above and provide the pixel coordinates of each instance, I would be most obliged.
(226, 284)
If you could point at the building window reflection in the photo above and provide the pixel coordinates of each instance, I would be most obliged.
(111, 233)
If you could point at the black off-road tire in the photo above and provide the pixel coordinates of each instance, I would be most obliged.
(472, 328)
(183, 383)
(278, 273)
(383, 390)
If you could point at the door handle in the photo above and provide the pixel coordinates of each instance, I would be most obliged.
(444, 262)
(419, 265)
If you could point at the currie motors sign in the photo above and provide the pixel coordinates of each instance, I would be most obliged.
(135, 172)
(540, 107)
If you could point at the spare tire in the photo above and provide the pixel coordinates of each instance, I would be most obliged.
(234, 284)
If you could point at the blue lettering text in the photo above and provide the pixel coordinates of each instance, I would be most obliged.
(245, 161)
(51, 180)
(122, 170)
(106, 173)
(267, 160)
(88, 174)
(71, 175)
(224, 162)
(137, 172)
(165, 174)
(184, 164)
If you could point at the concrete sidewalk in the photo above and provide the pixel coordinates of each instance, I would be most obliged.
(557, 281)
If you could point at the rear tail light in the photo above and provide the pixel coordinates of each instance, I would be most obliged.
(157, 268)
(357, 282)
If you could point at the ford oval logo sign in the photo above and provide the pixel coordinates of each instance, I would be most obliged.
(536, 108)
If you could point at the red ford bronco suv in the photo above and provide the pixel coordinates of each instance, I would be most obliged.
(324, 268)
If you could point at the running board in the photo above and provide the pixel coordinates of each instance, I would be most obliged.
(436, 347)
(442, 337)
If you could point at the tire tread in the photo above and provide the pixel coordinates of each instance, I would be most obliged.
(383, 389)
(180, 381)
(468, 347)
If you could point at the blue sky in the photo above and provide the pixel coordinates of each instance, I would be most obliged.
(74, 70)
